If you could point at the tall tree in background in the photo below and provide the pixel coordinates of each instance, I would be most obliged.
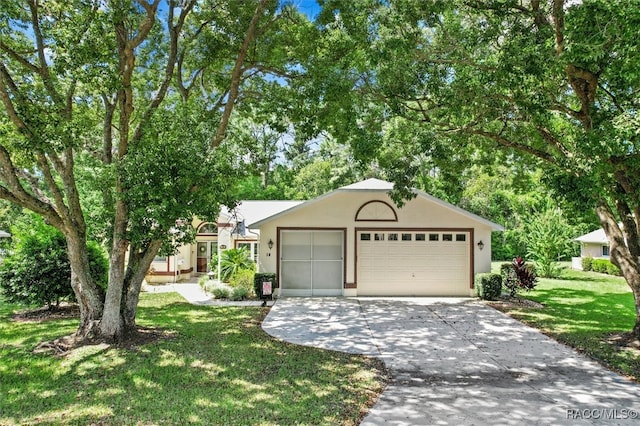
(137, 94)
(553, 82)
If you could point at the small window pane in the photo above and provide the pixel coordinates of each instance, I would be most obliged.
(365, 237)
(434, 237)
(406, 237)
(160, 259)
(393, 237)
(605, 250)
(420, 237)
(208, 228)
(461, 237)
(447, 237)
(378, 237)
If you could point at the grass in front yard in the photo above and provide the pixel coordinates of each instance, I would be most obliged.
(220, 368)
(585, 310)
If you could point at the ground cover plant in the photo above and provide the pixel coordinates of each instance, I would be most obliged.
(214, 366)
(588, 311)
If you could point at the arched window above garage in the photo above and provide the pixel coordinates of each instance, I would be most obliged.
(376, 211)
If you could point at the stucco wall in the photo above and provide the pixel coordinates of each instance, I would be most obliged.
(339, 211)
(592, 250)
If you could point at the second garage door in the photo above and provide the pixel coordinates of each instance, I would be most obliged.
(413, 263)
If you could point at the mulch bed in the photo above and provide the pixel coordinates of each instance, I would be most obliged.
(64, 311)
(66, 344)
(505, 303)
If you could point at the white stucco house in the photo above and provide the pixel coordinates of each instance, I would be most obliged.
(354, 241)
(594, 244)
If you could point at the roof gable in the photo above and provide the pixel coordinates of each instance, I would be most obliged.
(597, 237)
(373, 186)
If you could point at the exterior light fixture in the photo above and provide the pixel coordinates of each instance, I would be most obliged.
(480, 245)
(270, 243)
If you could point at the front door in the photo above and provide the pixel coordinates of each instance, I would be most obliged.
(205, 250)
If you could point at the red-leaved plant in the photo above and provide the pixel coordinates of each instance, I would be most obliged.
(520, 277)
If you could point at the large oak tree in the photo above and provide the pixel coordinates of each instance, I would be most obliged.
(131, 98)
(554, 83)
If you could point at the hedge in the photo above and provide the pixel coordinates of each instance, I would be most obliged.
(605, 266)
(488, 286)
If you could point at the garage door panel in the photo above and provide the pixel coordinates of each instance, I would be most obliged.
(311, 263)
(296, 246)
(296, 275)
(414, 266)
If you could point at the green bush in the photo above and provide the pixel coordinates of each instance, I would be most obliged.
(37, 271)
(600, 265)
(261, 277)
(604, 266)
(202, 281)
(505, 268)
(488, 286)
(587, 263)
(220, 291)
(243, 279)
(613, 270)
(240, 293)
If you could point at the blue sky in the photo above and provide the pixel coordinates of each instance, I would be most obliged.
(308, 7)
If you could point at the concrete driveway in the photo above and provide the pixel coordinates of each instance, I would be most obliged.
(459, 362)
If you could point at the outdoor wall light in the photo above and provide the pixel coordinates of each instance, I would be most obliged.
(480, 245)
(270, 243)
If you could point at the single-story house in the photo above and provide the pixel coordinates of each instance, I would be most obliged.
(594, 244)
(353, 241)
(229, 231)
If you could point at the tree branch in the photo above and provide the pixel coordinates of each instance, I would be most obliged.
(510, 144)
(558, 25)
(236, 74)
(174, 34)
(22, 60)
(42, 57)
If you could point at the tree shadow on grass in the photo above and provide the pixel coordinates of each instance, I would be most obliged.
(220, 369)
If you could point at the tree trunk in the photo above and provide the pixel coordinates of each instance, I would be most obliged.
(86, 291)
(621, 256)
(137, 267)
(111, 324)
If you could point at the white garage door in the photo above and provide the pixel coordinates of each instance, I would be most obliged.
(413, 263)
(311, 263)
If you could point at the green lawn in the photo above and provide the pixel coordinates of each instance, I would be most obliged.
(583, 310)
(221, 368)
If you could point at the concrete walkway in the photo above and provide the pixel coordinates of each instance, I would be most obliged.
(459, 362)
(194, 294)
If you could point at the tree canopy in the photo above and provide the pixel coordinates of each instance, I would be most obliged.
(552, 84)
(117, 112)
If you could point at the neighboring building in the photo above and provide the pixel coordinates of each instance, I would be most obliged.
(594, 244)
(3, 234)
(352, 241)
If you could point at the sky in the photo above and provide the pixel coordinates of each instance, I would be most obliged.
(308, 7)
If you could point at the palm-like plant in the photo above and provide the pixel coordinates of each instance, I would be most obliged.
(234, 260)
